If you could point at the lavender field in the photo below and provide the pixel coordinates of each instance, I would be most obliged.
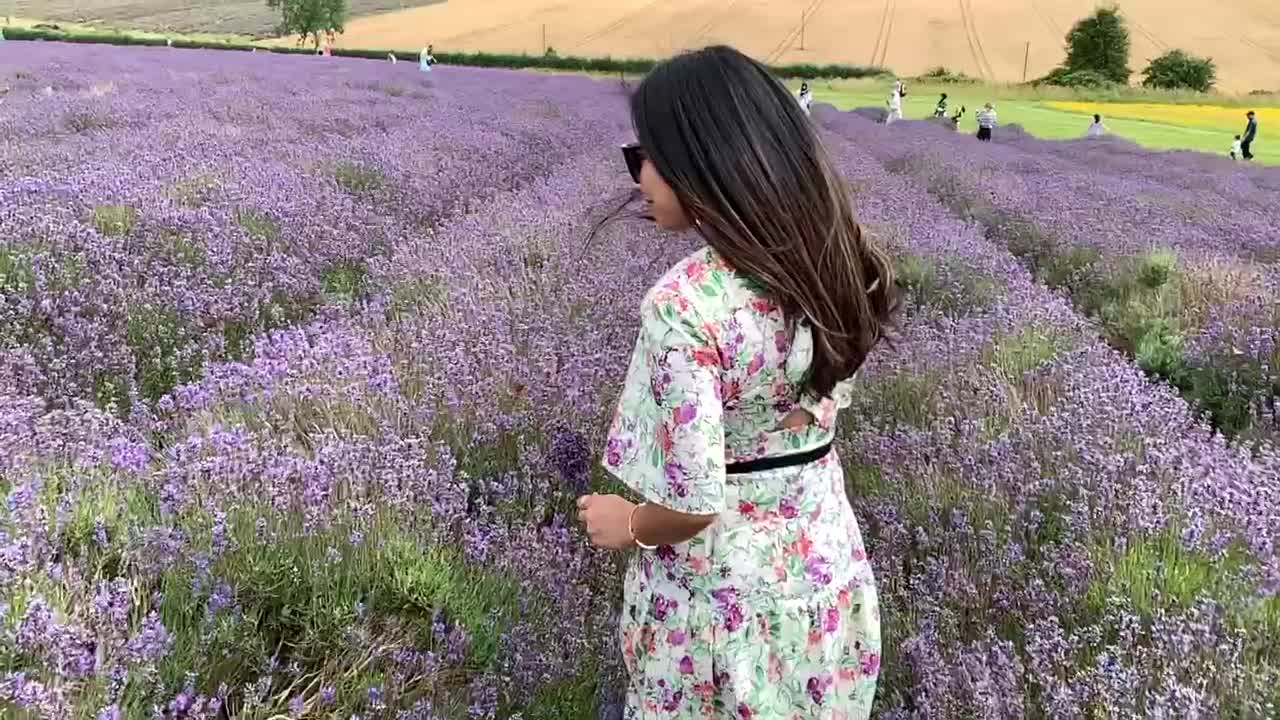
(303, 361)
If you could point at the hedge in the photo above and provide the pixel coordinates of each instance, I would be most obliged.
(477, 59)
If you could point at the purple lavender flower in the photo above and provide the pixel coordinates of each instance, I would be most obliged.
(151, 643)
(484, 698)
(570, 457)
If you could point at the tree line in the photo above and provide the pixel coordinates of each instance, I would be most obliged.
(1098, 55)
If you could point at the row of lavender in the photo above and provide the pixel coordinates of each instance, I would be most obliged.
(264, 449)
(1173, 254)
(161, 208)
(1055, 536)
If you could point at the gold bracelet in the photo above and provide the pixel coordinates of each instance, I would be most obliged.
(631, 528)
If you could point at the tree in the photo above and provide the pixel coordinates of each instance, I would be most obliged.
(310, 18)
(1180, 70)
(1100, 43)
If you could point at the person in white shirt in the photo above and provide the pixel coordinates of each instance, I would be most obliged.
(895, 102)
(986, 122)
(426, 59)
(1237, 149)
(1097, 129)
(806, 97)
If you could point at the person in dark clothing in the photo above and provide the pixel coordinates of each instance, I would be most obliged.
(1250, 132)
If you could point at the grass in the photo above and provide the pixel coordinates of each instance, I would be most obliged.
(944, 286)
(1169, 121)
(359, 179)
(114, 220)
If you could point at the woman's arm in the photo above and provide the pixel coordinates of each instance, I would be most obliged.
(611, 519)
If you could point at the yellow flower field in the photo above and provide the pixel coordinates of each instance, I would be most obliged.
(1207, 117)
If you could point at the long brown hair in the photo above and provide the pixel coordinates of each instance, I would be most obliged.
(751, 172)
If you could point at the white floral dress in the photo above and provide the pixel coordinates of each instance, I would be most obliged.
(771, 612)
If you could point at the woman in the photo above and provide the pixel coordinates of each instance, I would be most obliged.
(940, 110)
(750, 594)
(1096, 128)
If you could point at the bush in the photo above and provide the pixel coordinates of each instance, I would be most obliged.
(1179, 70)
(943, 76)
(1062, 77)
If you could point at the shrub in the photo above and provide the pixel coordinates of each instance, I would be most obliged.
(1062, 77)
(944, 76)
(1180, 70)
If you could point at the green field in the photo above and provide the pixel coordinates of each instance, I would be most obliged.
(1164, 129)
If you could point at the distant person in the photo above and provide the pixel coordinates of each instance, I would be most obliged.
(1237, 148)
(941, 109)
(895, 102)
(1097, 129)
(986, 122)
(1250, 133)
(806, 97)
(426, 59)
(955, 119)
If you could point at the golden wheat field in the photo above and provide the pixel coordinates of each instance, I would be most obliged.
(989, 39)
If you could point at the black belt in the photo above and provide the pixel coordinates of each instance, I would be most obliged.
(777, 462)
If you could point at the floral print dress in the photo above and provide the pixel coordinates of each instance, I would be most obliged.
(771, 612)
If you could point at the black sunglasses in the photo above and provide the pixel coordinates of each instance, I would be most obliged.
(634, 155)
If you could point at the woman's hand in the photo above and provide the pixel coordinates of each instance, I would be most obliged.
(606, 518)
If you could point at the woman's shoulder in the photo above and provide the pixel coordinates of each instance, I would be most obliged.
(702, 273)
(696, 290)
